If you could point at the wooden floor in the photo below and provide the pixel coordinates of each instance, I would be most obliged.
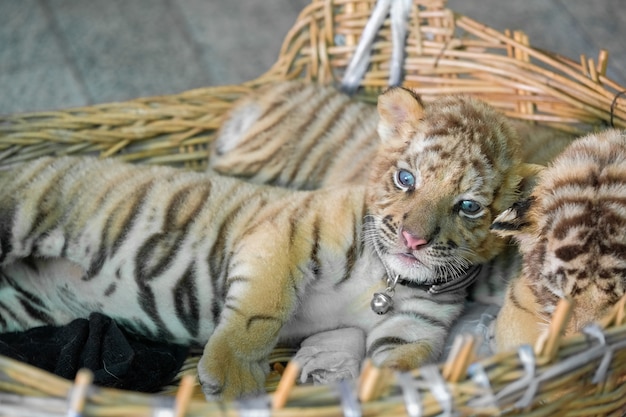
(64, 53)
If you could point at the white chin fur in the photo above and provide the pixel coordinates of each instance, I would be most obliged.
(416, 272)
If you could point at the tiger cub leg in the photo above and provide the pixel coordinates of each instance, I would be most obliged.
(518, 321)
(413, 336)
(260, 296)
(332, 355)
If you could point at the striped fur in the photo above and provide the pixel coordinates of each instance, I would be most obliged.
(297, 135)
(202, 259)
(307, 136)
(572, 233)
(196, 258)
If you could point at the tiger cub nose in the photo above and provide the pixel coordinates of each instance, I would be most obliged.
(413, 242)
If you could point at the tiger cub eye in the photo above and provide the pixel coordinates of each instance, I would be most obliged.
(404, 179)
(469, 206)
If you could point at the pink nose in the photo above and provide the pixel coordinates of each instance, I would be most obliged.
(413, 242)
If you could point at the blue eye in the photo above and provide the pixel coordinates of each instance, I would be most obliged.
(404, 179)
(470, 207)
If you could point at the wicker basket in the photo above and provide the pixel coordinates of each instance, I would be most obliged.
(351, 44)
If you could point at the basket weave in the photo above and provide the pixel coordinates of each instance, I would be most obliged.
(443, 53)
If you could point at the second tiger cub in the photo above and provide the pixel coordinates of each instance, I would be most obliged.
(572, 234)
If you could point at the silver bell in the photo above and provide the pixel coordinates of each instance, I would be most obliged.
(381, 303)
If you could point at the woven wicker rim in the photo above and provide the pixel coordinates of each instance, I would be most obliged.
(445, 53)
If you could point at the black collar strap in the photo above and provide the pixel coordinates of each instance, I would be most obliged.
(464, 281)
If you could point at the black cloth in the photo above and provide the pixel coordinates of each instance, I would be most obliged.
(117, 359)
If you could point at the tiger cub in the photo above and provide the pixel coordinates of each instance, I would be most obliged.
(202, 259)
(572, 234)
(307, 136)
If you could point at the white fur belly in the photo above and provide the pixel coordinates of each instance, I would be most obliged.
(55, 289)
(328, 308)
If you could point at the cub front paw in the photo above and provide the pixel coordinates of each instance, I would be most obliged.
(407, 357)
(332, 355)
(226, 377)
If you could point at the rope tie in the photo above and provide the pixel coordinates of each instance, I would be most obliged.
(349, 401)
(254, 407)
(613, 104)
(438, 387)
(163, 407)
(477, 373)
(400, 11)
(412, 400)
(527, 356)
(528, 382)
(595, 332)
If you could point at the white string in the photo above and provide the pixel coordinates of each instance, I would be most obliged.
(163, 406)
(400, 10)
(477, 373)
(595, 331)
(349, 402)
(527, 356)
(438, 387)
(411, 395)
(254, 407)
(525, 352)
(360, 60)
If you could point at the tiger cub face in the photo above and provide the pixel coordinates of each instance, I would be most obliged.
(572, 235)
(442, 174)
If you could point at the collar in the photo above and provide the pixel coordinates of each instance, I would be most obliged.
(464, 281)
(382, 302)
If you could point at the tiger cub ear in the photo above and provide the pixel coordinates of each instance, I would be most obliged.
(513, 221)
(516, 221)
(529, 174)
(400, 111)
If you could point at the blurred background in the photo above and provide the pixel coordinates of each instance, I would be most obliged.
(65, 53)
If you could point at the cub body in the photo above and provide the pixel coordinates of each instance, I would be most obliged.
(199, 258)
(309, 136)
(572, 234)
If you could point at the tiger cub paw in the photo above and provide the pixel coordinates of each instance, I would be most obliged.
(225, 377)
(331, 356)
(407, 357)
(328, 368)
